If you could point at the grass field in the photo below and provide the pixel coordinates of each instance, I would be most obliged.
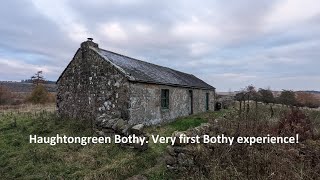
(21, 160)
(30, 108)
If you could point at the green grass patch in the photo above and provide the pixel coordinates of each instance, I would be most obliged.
(186, 123)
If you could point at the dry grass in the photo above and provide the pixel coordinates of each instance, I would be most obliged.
(32, 108)
(260, 161)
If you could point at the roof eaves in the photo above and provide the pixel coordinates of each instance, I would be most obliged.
(174, 85)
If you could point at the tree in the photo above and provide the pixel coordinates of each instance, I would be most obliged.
(266, 96)
(247, 94)
(287, 97)
(38, 78)
(39, 93)
(240, 97)
(250, 95)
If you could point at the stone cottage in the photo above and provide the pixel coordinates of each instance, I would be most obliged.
(99, 83)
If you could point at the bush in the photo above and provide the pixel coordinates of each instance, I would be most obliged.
(308, 100)
(6, 97)
(295, 122)
(39, 95)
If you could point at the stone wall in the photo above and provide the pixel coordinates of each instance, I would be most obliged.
(91, 87)
(72, 97)
(189, 157)
(145, 103)
(110, 127)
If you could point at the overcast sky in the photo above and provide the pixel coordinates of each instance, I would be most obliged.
(229, 44)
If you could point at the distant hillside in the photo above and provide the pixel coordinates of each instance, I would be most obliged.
(26, 87)
(313, 92)
(30, 81)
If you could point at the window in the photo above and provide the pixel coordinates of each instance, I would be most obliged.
(165, 98)
(207, 101)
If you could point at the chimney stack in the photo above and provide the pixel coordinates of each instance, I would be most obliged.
(89, 43)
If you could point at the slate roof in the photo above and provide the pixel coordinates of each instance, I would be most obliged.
(141, 71)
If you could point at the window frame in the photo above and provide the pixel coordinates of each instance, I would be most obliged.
(164, 99)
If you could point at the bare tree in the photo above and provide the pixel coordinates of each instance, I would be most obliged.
(240, 97)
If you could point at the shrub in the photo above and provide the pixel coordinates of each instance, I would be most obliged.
(39, 95)
(307, 99)
(6, 97)
(295, 122)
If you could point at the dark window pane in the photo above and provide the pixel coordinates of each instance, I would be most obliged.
(165, 98)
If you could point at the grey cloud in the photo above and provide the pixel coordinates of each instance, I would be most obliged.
(228, 44)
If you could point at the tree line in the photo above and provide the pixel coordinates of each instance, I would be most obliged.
(266, 96)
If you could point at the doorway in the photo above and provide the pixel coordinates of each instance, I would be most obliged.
(207, 101)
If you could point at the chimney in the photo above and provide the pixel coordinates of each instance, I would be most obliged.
(89, 43)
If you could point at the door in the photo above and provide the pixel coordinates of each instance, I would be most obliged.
(207, 101)
(191, 102)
